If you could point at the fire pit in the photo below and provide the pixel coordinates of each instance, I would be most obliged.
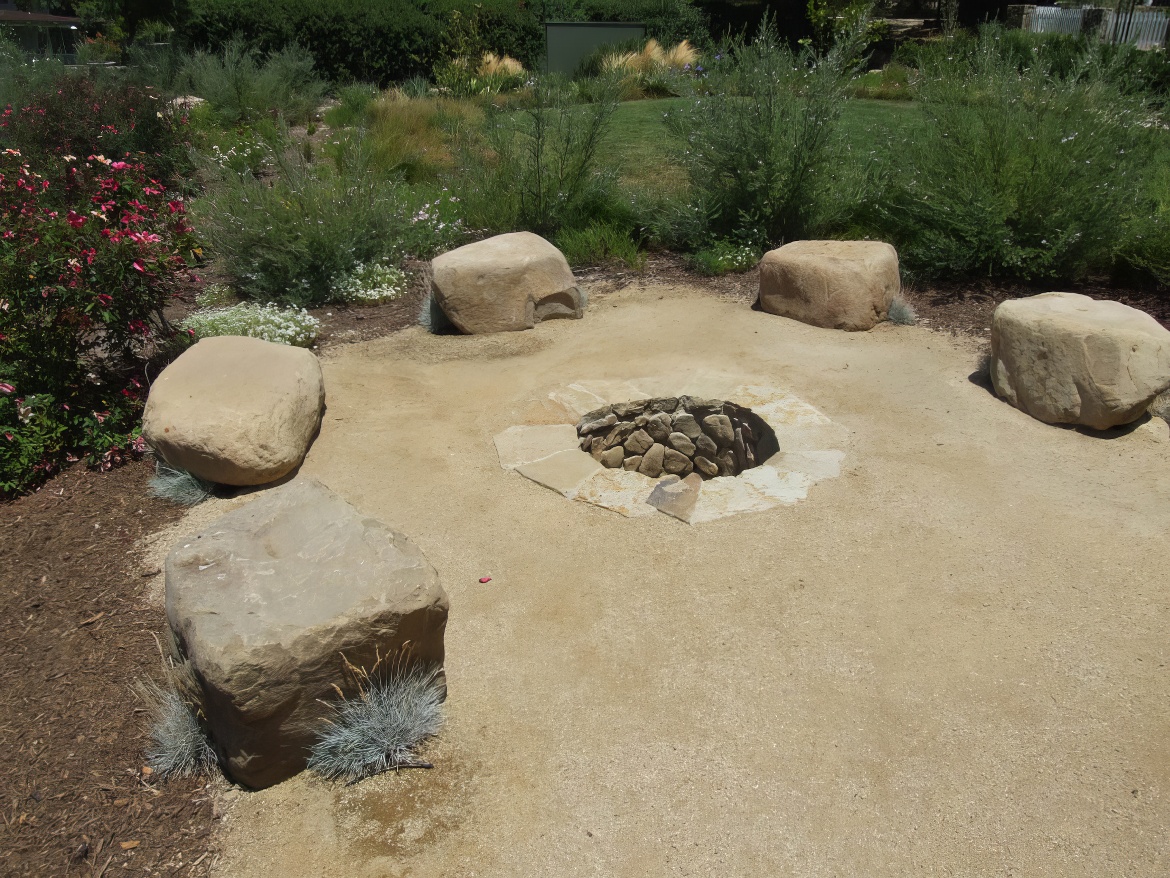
(677, 436)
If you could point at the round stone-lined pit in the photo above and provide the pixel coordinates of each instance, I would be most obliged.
(677, 436)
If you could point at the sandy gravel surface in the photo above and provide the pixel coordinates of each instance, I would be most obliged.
(949, 661)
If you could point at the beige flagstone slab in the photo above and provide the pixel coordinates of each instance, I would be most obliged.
(517, 446)
(619, 490)
(563, 471)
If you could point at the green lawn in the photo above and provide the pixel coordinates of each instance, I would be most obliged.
(640, 145)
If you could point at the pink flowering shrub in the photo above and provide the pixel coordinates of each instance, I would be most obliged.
(91, 251)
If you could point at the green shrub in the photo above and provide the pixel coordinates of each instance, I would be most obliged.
(724, 257)
(352, 101)
(179, 746)
(902, 312)
(290, 239)
(598, 243)
(1145, 244)
(243, 87)
(761, 150)
(269, 322)
(1015, 174)
(411, 137)
(379, 41)
(537, 168)
(891, 83)
(178, 486)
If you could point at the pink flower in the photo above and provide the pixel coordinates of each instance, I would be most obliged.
(119, 166)
(7, 388)
(138, 266)
(8, 233)
(75, 219)
(8, 436)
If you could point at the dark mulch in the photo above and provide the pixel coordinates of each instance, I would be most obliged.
(76, 629)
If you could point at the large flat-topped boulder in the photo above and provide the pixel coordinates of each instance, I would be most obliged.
(834, 284)
(504, 283)
(1067, 359)
(266, 601)
(236, 410)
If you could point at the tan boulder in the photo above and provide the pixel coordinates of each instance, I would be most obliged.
(236, 410)
(266, 601)
(505, 283)
(834, 284)
(1067, 359)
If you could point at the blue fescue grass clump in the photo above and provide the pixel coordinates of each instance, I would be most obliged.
(178, 485)
(902, 313)
(179, 747)
(380, 729)
(432, 317)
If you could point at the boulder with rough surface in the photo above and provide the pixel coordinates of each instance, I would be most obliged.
(266, 601)
(236, 410)
(1067, 359)
(504, 283)
(834, 284)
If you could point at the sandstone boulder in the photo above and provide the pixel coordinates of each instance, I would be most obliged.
(265, 602)
(834, 284)
(1067, 359)
(505, 283)
(236, 410)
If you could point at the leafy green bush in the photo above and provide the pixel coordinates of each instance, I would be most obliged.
(761, 149)
(350, 109)
(598, 243)
(379, 41)
(269, 322)
(292, 238)
(91, 253)
(1145, 242)
(1016, 174)
(243, 87)
(537, 168)
(724, 257)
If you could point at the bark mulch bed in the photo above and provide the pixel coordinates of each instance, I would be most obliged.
(77, 629)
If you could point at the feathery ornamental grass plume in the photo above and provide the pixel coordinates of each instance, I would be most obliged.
(379, 729)
(178, 745)
(178, 485)
(902, 312)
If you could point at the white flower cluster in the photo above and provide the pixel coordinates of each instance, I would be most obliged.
(370, 282)
(270, 322)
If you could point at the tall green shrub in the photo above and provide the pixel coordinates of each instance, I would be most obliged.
(243, 87)
(291, 239)
(762, 149)
(537, 168)
(1016, 174)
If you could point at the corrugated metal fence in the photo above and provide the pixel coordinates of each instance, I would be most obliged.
(1144, 27)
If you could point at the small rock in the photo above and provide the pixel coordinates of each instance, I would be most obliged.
(706, 446)
(676, 497)
(596, 447)
(727, 463)
(633, 462)
(706, 468)
(638, 442)
(685, 423)
(674, 462)
(629, 409)
(738, 447)
(719, 428)
(681, 444)
(613, 457)
(619, 434)
(600, 424)
(658, 426)
(664, 404)
(651, 464)
(586, 444)
(642, 420)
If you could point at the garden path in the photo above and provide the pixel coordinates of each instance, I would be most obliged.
(951, 660)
